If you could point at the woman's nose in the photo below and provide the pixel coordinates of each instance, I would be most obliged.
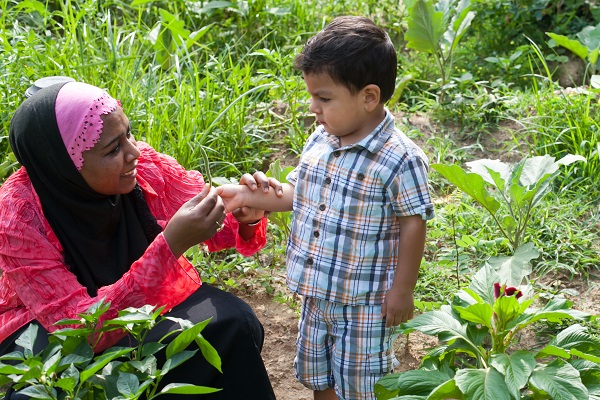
(133, 153)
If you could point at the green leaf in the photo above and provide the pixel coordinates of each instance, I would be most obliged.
(184, 388)
(82, 354)
(470, 183)
(68, 379)
(589, 36)
(573, 45)
(442, 324)
(494, 172)
(27, 339)
(512, 269)
(176, 360)
(209, 352)
(127, 384)
(482, 384)
(184, 339)
(425, 27)
(102, 360)
(38, 392)
(516, 368)
(480, 313)
(560, 380)
(483, 281)
(416, 382)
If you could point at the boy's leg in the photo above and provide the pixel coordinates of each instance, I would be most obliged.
(362, 351)
(327, 394)
(313, 350)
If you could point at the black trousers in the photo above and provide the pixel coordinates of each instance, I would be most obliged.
(236, 334)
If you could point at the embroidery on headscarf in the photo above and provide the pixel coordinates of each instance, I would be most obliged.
(78, 109)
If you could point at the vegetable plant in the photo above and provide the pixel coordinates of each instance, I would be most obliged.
(478, 357)
(68, 368)
(510, 193)
(436, 27)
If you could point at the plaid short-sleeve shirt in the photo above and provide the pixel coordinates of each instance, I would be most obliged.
(343, 245)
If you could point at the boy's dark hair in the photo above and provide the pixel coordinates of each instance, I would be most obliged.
(354, 52)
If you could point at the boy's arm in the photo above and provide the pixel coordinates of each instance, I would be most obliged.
(236, 196)
(398, 305)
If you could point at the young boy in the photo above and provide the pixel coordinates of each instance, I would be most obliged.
(360, 200)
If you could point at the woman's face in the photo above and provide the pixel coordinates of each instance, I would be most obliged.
(109, 167)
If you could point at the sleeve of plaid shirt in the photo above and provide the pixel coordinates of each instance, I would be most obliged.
(409, 190)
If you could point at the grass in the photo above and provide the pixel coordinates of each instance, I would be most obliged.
(214, 87)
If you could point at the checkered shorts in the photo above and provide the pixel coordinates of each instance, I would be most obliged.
(344, 347)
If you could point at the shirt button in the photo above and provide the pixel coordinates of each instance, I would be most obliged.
(322, 207)
(360, 176)
(328, 180)
(316, 233)
(310, 261)
(336, 153)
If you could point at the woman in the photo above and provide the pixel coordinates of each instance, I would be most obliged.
(94, 214)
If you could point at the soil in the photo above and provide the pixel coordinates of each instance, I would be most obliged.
(280, 318)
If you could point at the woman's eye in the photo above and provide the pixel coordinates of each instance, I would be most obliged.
(116, 149)
(323, 99)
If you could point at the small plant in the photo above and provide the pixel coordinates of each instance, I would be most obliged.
(437, 28)
(479, 330)
(68, 368)
(515, 191)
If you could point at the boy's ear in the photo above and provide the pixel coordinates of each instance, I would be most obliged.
(371, 95)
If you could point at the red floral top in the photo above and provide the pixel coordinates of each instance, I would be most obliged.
(36, 284)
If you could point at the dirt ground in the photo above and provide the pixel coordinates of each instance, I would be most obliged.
(280, 323)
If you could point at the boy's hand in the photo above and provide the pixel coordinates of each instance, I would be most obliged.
(259, 179)
(398, 307)
(232, 195)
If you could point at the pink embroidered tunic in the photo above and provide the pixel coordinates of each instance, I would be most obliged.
(36, 284)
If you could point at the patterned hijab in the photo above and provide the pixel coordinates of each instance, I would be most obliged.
(101, 235)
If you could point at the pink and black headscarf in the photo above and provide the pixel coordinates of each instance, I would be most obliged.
(101, 235)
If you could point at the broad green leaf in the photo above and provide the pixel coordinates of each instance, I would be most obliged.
(460, 26)
(512, 269)
(554, 351)
(483, 281)
(447, 390)
(425, 27)
(102, 360)
(184, 388)
(68, 379)
(482, 384)
(570, 159)
(209, 352)
(127, 384)
(577, 337)
(506, 308)
(494, 172)
(82, 354)
(38, 392)
(516, 368)
(442, 324)
(27, 339)
(151, 348)
(589, 36)
(570, 44)
(470, 183)
(560, 380)
(176, 360)
(184, 339)
(536, 169)
(477, 313)
(416, 382)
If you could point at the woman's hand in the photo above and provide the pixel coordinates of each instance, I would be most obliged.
(196, 221)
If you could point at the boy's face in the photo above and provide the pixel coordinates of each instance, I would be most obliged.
(341, 113)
